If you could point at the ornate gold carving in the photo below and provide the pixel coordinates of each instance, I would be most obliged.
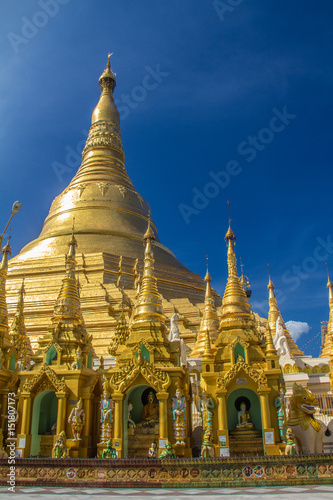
(104, 134)
(103, 187)
(259, 378)
(144, 342)
(81, 187)
(240, 341)
(122, 190)
(56, 384)
(155, 377)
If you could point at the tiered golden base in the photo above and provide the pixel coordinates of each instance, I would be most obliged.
(245, 442)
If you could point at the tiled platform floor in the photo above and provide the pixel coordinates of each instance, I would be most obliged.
(277, 493)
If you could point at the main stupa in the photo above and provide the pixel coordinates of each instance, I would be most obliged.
(110, 218)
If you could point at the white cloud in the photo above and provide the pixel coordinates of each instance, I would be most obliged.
(297, 328)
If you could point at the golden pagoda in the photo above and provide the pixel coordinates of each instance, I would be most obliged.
(110, 217)
(112, 340)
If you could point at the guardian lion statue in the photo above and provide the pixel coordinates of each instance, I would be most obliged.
(306, 429)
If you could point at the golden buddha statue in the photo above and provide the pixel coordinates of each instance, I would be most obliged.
(150, 410)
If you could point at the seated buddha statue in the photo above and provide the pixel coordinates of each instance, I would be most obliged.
(150, 410)
(244, 418)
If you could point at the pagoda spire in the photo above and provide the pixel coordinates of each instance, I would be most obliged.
(273, 312)
(67, 307)
(18, 329)
(328, 342)
(234, 299)
(209, 323)
(5, 341)
(149, 304)
(148, 321)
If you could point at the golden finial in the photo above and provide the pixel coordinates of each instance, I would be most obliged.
(230, 234)
(109, 62)
(245, 282)
(229, 213)
(270, 285)
(107, 80)
(207, 277)
(329, 282)
(149, 234)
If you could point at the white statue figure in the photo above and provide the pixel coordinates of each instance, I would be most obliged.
(179, 417)
(77, 419)
(174, 335)
(281, 344)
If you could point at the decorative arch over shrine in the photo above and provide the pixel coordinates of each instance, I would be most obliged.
(45, 379)
(155, 377)
(259, 378)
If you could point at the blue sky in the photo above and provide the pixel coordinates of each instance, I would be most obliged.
(242, 111)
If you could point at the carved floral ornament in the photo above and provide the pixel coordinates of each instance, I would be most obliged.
(46, 379)
(144, 342)
(240, 341)
(259, 378)
(155, 377)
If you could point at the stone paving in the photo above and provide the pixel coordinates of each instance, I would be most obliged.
(305, 492)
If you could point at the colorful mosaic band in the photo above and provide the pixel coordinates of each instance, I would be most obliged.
(187, 473)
